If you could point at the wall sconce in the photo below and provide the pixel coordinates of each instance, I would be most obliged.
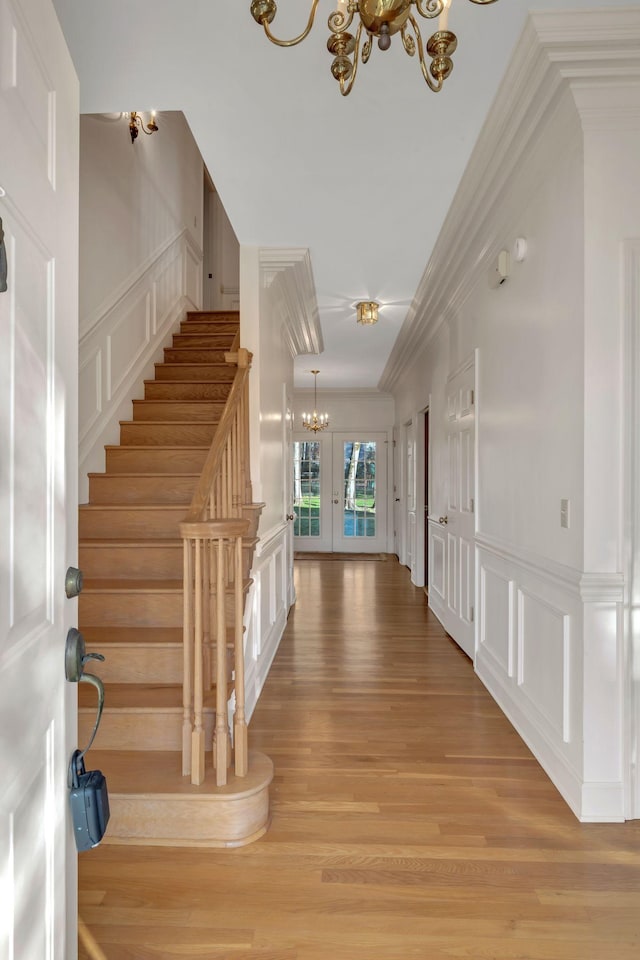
(136, 123)
(367, 311)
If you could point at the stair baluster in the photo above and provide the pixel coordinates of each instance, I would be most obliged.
(213, 532)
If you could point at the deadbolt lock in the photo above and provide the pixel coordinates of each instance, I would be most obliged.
(73, 582)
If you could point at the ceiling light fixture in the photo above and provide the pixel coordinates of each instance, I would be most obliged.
(136, 123)
(315, 421)
(367, 312)
(379, 19)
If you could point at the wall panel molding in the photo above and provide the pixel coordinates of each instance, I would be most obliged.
(266, 610)
(120, 342)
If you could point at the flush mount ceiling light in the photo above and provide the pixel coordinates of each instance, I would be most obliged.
(136, 123)
(315, 421)
(378, 19)
(367, 311)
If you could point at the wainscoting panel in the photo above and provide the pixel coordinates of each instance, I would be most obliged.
(530, 658)
(266, 611)
(497, 637)
(437, 563)
(121, 341)
(543, 660)
(129, 338)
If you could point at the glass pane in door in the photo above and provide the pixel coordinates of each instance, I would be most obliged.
(359, 506)
(306, 488)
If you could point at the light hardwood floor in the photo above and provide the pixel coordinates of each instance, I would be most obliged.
(409, 819)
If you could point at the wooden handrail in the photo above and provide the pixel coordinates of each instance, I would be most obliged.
(214, 585)
(211, 469)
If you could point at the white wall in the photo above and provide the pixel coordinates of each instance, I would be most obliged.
(279, 320)
(556, 165)
(140, 264)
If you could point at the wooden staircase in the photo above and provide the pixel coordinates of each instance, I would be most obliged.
(132, 609)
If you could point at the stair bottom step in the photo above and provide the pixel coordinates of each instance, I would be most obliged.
(153, 804)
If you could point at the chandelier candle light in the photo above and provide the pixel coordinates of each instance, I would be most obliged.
(136, 122)
(378, 19)
(315, 421)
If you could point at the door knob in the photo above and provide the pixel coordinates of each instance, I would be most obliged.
(336, 501)
(443, 520)
(291, 516)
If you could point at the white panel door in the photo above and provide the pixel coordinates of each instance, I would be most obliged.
(458, 532)
(38, 482)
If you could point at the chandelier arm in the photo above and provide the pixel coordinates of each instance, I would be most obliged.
(433, 8)
(338, 22)
(346, 88)
(295, 40)
(433, 84)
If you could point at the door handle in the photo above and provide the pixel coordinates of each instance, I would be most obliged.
(291, 516)
(75, 657)
(336, 501)
(443, 520)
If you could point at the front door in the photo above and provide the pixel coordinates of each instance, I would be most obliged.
(38, 479)
(340, 492)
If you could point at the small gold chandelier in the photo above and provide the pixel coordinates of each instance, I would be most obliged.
(315, 421)
(367, 312)
(381, 19)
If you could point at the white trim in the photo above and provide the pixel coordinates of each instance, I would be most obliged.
(288, 273)
(555, 51)
(589, 587)
(631, 521)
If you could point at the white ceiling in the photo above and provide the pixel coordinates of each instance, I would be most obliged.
(364, 181)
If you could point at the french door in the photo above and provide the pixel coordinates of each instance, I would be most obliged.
(340, 492)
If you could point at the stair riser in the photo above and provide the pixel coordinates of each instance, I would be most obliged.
(143, 663)
(138, 729)
(125, 523)
(139, 562)
(195, 371)
(140, 663)
(210, 327)
(208, 341)
(167, 434)
(126, 489)
(193, 355)
(148, 460)
(125, 562)
(181, 410)
(195, 390)
(137, 609)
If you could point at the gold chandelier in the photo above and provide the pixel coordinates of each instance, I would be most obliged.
(315, 421)
(381, 19)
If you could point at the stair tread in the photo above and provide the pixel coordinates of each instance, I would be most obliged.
(132, 506)
(143, 544)
(167, 446)
(170, 423)
(139, 696)
(160, 772)
(111, 584)
(131, 585)
(135, 474)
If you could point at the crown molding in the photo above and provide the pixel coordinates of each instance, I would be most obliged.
(287, 273)
(594, 55)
